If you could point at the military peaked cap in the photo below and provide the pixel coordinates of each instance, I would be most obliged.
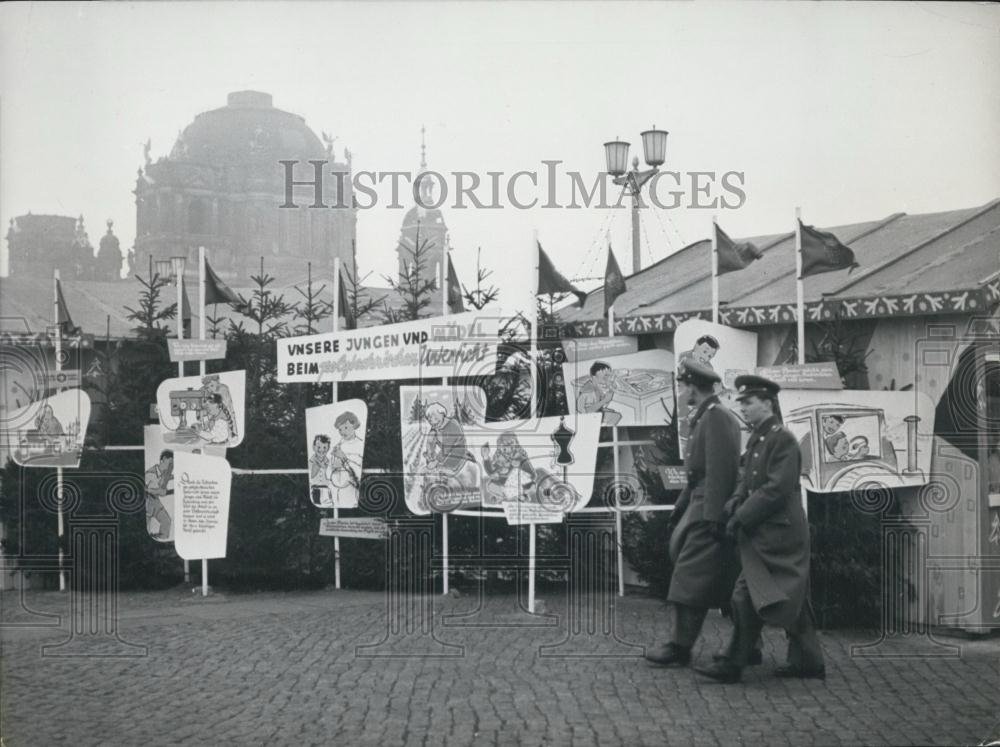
(694, 372)
(750, 385)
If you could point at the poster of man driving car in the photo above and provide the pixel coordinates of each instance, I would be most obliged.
(851, 439)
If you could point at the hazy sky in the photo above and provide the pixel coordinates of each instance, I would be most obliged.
(850, 111)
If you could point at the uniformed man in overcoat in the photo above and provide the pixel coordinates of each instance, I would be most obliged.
(698, 543)
(769, 523)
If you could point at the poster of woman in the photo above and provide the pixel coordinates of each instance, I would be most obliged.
(203, 410)
(335, 443)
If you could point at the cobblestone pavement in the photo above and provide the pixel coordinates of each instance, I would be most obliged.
(345, 667)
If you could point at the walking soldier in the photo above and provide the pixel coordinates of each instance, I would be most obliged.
(698, 543)
(767, 518)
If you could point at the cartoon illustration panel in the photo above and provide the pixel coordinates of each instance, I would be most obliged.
(161, 510)
(729, 352)
(159, 478)
(49, 432)
(453, 459)
(631, 389)
(850, 439)
(335, 439)
(441, 472)
(548, 463)
(207, 410)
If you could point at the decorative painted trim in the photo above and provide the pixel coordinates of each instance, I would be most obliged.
(963, 301)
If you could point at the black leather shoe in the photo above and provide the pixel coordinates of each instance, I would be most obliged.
(669, 655)
(756, 657)
(721, 671)
(786, 670)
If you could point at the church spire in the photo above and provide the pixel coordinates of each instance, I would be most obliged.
(426, 185)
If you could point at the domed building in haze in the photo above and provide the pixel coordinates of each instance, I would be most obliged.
(222, 186)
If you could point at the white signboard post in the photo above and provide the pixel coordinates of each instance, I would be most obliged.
(196, 350)
(360, 527)
(201, 487)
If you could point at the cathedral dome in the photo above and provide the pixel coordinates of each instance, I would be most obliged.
(248, 128)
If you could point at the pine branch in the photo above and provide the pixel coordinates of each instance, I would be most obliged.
(415, 291)
(481, 297)
(358, 300)
(149, 314)
(312, 310)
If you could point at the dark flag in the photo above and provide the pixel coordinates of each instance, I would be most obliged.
(216, 291)
(551, 281)
(455, 304)
(614, 282)
(733, 255)
(186, 311)
(344, 309)
(63, 319)
(823, 252)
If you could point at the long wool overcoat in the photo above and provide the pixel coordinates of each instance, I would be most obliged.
(702, 575)
(773, 538)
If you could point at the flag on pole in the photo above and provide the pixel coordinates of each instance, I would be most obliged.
(186, 311)
(63, 319)
(614, 282)
(455, 303)
(823, 252)
(216, 291)
(734, 255)
(344, 309)
(550, 280)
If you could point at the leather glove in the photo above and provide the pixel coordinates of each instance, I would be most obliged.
(730, 508)
(731, 526)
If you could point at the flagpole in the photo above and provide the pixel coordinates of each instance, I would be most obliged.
(59, 470)
(715, 270)
(532, 350)
(616, 468)
(800, 322)
(202, 371)
(442, 277)
(334, 394)
(201, 302)
(180, 374)
(800, 319)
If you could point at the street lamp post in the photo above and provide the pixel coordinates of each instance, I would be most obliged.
(654, 146)
(173, 268)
